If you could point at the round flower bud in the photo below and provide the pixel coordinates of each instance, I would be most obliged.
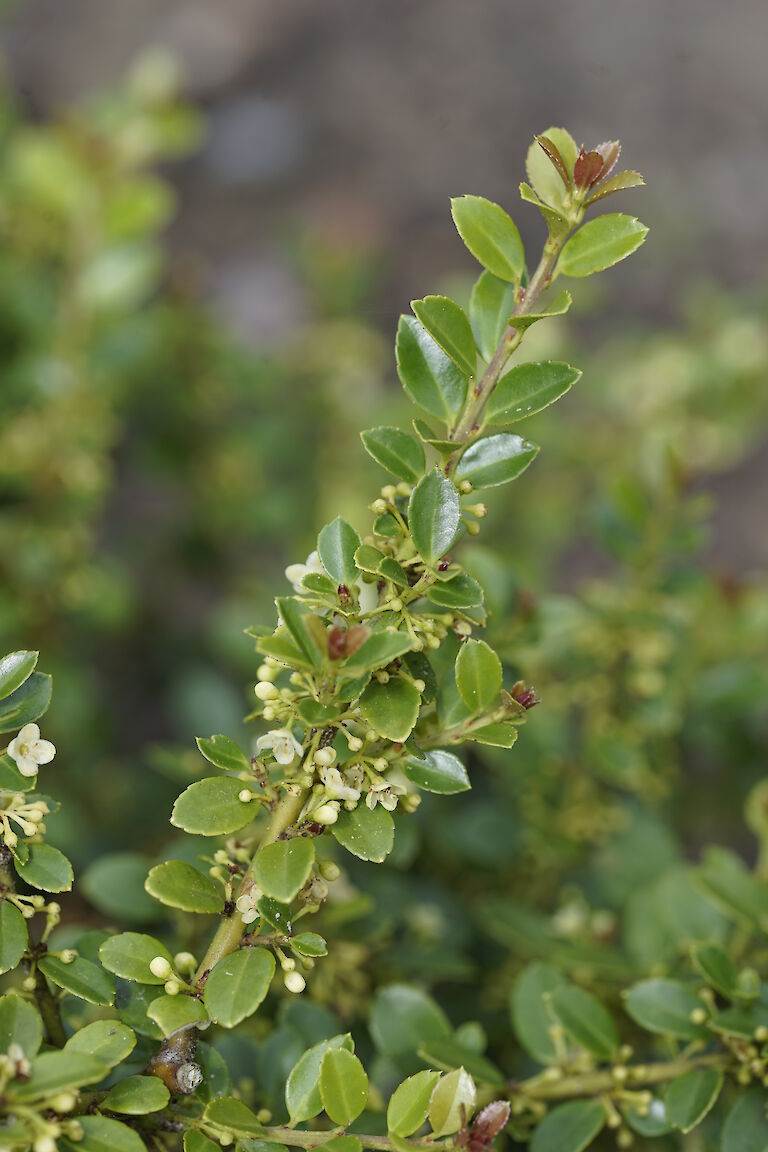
(185, 962)
(465, 487)
(160, 967)
(172, 987)
(326, 814)
(268, 712)
(267, 672)
(44, 1144)
(295, 982)
(355, 743)
(325, 756)
(329, 870)
(54, 908)
(67, 956)
(287, 964)
(245, 795)
(266, 691)
(263, 1115)
(29, 983)
(64, 1102)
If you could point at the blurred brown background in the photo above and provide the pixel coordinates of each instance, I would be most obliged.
(366, 117)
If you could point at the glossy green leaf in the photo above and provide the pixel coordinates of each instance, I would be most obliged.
(430, 378)
(309, 944)
(569, 1127)
(532, 1014)
(223, 753)
(212, 807)
(26, 703)
(601, 243)
(129, 954)
(238, 984)
(46, 868)
(440, 772)
(447, 324)
(367, 833)
(452, 1102)
(171, 1013)
(337, 544)
(233, 1116)
(137, 1096)
(302, 1089)
(491, 304)
(398, 452)
(434, 515)
(101, 1134)
(746, 1126)
(688, 1099)
(282, 869)
(81, 977)
(502, 735)
(490, 235)
(20, 1024)
(58, 1072)
(343, 1086)
(195, 1141)
(478, 674)
(13, 935)
(409, 1104)
(293, 615)
(391, 709)
(664, 1006)
(586, 1020)
(107, 1040)
(495, 460)
(460, 592)
(15, 668)
(180, 885)
(380, 649)
(528, 389)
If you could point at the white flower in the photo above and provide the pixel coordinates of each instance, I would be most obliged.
(368, 594)
(297, 572)
(335, 785)
(29, 751)
(283, 743)
(368, 597)
(247, 905)
(385, 793)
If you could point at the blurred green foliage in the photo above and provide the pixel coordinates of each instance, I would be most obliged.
(150, 495)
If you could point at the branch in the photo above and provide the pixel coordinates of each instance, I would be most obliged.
(173, 1062)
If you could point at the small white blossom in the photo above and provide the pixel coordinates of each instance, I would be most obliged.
(283, 744)
(336, 786)
(385, 793)
(368, 597)
(247, 905)
(297, 572)
(29, 751)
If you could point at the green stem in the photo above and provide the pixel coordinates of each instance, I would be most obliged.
(475, 407)
(178, 1051)
(596, 1083)
(231, 929)
(296, 1139)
